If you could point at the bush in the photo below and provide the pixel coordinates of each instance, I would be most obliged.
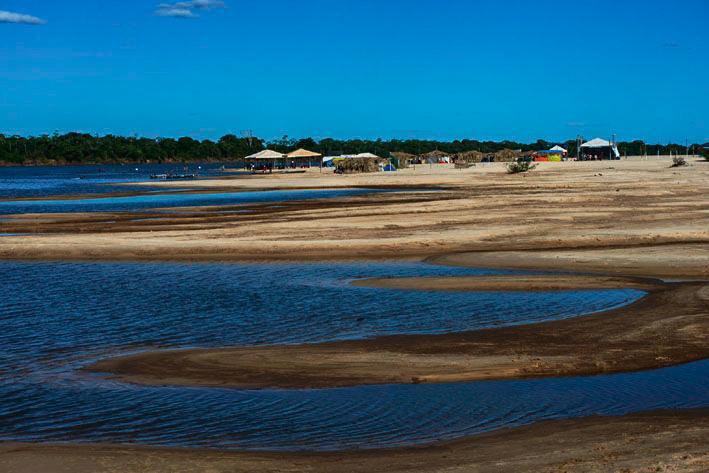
(520, 166)
(678, 161)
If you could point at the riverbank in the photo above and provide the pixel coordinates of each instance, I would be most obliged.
(659, 441)
(559, 207)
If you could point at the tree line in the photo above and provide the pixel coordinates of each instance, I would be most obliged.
(82, 148)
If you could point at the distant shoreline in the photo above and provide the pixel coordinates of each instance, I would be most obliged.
(6, 164)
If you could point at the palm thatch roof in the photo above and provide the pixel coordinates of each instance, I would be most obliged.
(470, 156)
(435, 154)
(357, 164)
(505, 155)
(402, 156)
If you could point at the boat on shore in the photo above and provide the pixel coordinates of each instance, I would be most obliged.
(171, 177)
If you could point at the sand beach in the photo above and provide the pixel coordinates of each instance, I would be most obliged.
(622, 224)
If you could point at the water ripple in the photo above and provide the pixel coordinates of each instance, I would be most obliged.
(56, 317)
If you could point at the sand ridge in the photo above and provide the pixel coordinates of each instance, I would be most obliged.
(669, 326)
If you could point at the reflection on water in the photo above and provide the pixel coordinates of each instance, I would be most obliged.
(57, 317)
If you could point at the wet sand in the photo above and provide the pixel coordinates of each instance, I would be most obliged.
(669, 326)
(660, 441)
(511, 283)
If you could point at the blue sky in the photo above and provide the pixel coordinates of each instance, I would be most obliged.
(441, 69)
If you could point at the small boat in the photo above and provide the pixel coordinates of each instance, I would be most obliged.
(170, 176)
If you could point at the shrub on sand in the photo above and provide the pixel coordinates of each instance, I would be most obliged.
(519, 167)
(678, 161)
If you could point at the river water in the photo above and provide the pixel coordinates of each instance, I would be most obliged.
(56, 317)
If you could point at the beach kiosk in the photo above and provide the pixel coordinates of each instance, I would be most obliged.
(304, 158)
(597, 149)
(563, 151)
(264, 161)
(355, 163)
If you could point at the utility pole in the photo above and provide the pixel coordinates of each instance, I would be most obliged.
(249, 135)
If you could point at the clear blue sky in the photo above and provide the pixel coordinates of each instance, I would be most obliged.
(441, 69)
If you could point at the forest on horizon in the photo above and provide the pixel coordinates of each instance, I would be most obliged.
(83, 148)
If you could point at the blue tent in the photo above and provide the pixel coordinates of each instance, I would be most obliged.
(389, 168)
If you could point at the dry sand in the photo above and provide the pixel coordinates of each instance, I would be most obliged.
(640, 443)
(560, 206)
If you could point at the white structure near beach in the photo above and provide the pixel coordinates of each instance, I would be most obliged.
(266, 154)
(598, 148)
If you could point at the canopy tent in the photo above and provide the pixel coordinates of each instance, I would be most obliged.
(265, 154)
(304, 154)
(304, 158)
(559, 148)
(599, 145)
(265, 160)
(361, 156)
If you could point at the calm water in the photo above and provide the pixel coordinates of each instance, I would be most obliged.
(93, 181)
(43, 181)
(57, 317)
(174, 199)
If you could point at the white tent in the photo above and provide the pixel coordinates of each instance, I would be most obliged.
(365, 156)
(601, 143)
(558, 148)
(266, 154)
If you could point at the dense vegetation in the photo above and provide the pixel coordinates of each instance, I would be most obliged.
(75, 148)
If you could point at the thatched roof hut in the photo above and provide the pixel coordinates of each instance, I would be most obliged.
(351, 165)
(434, 156)
(505, 155)
(404, 159)
(402, 156)
(469, 157)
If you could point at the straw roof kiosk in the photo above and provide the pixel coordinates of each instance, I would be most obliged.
(302, 156)
(264, 160)
(353, 163)
(599, 148)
